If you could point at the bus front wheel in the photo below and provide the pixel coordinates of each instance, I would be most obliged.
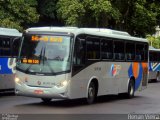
(91, 93)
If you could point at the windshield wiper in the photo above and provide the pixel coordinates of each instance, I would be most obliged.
(52, 71)
(40, 56)
(32, 64)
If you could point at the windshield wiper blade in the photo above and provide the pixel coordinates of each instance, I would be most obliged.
(27, 70)
(52, 71)
(40, 56)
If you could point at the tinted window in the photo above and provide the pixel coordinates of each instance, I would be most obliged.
(154, 56)
(140, 52)
(93, 48)
(5, 46)
(106, 49)
(119, 50)
(79, 54)
(15, 46)
(130, 51)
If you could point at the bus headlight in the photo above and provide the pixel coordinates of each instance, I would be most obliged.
(17, 80)
(62, 84)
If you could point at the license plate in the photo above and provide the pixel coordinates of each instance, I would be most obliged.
(38, 91)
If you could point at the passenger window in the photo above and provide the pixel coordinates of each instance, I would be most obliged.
(130, 51)
(146, 52)
(5, 46)
(106, 49)
(79, 51)
(140, 52)
(15, 46)
(119, 50)
(93, 48)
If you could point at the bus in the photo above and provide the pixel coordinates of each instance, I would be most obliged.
(154, 64)
(72, 63)
(9, 43)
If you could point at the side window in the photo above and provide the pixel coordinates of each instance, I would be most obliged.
(154, 56)
(79, 51)
(140, 52)
(130, 51)
(151, 56)
(119, 50)
(5, 46)
(1, 46)
(106, 49)
(93, 48)
(15, 46)
(146, 52)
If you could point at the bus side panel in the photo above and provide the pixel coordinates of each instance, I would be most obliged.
(7, 70)
(140, 72)
(154, 67)
(112, 78)
(7, 82)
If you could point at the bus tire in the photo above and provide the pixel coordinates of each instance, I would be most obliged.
(46, 100)
(157, 77)
(92, 94)
(131, 89)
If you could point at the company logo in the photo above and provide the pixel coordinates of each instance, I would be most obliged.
(39, 83)
(115, 69)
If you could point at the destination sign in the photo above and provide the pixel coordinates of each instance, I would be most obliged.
(47, 38)
(30, 61)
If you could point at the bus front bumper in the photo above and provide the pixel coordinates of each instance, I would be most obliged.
(41, 92)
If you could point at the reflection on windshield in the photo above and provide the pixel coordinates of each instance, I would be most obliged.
(53, 54)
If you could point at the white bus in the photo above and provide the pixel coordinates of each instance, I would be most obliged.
(154, 64)
(9, 45)
(69, 63)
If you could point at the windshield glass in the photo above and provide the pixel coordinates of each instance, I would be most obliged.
(44, 54)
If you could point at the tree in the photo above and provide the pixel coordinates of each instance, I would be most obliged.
(158, 42)
(138, 17)
(48, 12)
(18, 14)
(153, 41)
(87, 13)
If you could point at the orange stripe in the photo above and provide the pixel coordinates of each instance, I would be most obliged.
(135, 68)
(145, 67)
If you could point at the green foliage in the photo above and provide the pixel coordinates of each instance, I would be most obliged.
(48, 8)
(144, 18)
(18, 13)
(153, 41)
(88, 13)
(138, 17)
(70, 11)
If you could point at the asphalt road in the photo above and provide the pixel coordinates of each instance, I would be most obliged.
(146, 101)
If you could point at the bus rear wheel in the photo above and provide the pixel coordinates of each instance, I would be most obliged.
(46, 100)
(157, 77)
(91, 93)
(131, 89)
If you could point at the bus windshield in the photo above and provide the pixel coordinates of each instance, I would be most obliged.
(44, 54)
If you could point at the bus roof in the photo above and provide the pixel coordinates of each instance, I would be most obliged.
(91, 31)
(153, 49)
(10, 32)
